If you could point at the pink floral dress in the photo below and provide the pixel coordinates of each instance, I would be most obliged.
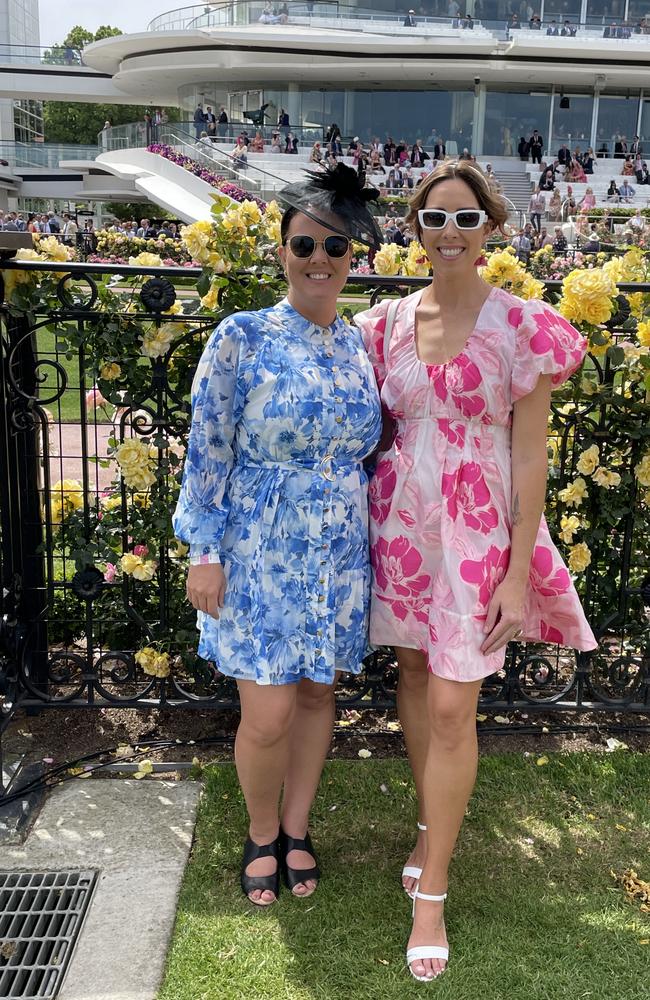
(440, 500)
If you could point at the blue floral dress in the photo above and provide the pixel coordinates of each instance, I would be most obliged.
(283, 414)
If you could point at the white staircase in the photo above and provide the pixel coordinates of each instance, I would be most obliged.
(516, 186)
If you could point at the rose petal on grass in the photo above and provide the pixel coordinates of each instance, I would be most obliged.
(541, 761)
(364, 754)
(614, 744)
(481, 718)
(502, 720)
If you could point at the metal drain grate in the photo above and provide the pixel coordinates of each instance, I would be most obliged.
(41, 914)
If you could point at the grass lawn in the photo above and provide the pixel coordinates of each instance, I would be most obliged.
(533, 911)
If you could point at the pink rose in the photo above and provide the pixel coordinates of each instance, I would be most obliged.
(141, 550)
(109, 572)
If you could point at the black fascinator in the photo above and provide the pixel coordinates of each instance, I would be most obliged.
(335, 198)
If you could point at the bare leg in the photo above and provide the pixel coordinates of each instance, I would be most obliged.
(449, 777)
(311, 735)
(261, 756)
(411, 700)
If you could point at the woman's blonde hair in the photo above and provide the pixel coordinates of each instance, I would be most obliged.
(491, 203)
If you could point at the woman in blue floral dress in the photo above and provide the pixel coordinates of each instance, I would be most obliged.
(274, 508)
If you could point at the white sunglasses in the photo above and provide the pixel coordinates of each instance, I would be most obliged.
(464, 218)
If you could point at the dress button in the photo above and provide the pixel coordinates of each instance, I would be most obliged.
(317, 652)
(322, 581)
(339, 420)
(329, 354)
(319, 631)
(321, 597)
(337, 399)
(335, 368)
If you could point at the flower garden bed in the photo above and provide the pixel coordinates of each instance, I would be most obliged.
(217, 181)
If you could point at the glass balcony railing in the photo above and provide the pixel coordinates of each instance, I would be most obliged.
(43, 154)
(41, 55)
(139, 134)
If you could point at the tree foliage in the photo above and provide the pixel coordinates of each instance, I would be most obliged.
(80, 123)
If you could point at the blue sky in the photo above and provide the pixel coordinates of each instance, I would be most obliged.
(129, 15)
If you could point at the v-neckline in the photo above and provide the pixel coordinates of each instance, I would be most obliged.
(448, 361)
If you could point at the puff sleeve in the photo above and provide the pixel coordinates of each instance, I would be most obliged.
(545, 344)
(218, 396)
(372, 324)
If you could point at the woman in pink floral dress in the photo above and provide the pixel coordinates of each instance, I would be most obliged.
(462, 557)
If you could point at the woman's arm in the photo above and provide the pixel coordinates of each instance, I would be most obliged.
(529, 473)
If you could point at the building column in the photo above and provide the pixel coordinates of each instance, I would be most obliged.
(594, 120)
(294, 109)
(348, 126)
(478, 119)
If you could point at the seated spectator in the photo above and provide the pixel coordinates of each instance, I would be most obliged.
(257, 143)
(240, 153)
(409, 178)
(610, 30)
(643, 177)
(514, 23)
(624, 30)
(535, 23)
(568, 29)
(547, 180)
(291, 144)
(554, 207)
(559, 240)
(467, 22)
(620, 147)
(465, 155)
(626, 191)
(418, 155)
(409, 20)
(316, 155)
(612, 193)
(588, 201)
(275, 146)
(553, 28)
(637, 221)
(588, 161)
(353, 146)
(575, 173)
(268, 16)
(569, 204)
(628, 167)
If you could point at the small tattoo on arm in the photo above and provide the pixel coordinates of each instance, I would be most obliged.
(516, 511)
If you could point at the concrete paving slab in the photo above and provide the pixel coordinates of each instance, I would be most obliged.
(138, 834)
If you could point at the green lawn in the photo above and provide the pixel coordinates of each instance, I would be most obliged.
(533, 911)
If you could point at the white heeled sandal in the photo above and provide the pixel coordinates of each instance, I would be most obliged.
(412, 871)
(426, 950)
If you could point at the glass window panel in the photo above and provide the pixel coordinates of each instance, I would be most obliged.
(639, 10)
(509, 116)
(617, 116)
(572, 125)
(644, 133)
(605, 11)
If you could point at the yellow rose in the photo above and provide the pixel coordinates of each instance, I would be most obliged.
(387, 260)
(138, 478)
(152, 662)
(145, 570)
(132, 452)
(642, 470)
(66, 495)
(211, 299)
(579, 557)
(587, 296)
(643, 333)
(129, 562)
(218, 263)
(178, 549)
(273, 212)
(53, 248)
(110, 371)
(636, 300)
(272, 230)
(569, 526)
(250, 212)
(574, 493)
(588, 460)
(112, 503)
(146, 260)
(603, 477)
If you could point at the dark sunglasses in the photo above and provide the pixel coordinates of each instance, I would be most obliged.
(304, 246)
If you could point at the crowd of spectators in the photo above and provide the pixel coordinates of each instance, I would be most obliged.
(65, 227)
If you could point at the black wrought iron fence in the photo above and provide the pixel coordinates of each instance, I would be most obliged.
(74, 621)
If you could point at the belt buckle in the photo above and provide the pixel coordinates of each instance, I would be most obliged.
(326, 467)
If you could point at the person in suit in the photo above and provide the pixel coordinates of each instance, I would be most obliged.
(409, 20)
(523, 149)
(418, 155)
(536, 145)
(620, 147)
(439, 150)
(636, 148)
(568, 30)
(552, 28)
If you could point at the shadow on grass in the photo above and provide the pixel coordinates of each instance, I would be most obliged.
(528, 915)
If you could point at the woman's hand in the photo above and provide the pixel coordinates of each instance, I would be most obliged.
(505, 615)
(206, 588)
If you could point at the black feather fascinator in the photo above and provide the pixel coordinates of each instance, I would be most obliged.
(336, 199)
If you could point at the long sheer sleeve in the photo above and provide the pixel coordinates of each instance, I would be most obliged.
(218, 397)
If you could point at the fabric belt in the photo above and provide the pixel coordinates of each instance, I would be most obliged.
(328, 466)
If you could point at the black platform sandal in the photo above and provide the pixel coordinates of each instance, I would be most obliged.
(249, 883)
(293, 876)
